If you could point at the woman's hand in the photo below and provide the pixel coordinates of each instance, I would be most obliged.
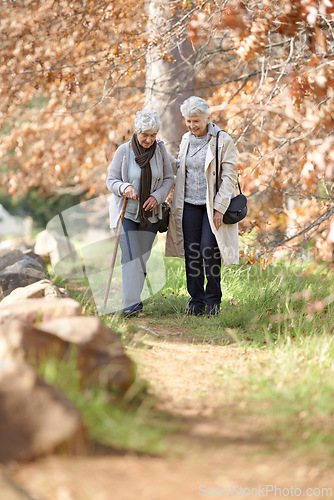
(150, 203)
(217, 219)
(131, 193)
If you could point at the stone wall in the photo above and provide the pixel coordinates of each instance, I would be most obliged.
(39, 320)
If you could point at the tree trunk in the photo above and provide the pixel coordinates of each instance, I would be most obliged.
(169, 76)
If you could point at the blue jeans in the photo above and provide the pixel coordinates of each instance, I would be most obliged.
(202, 257)
(136, 244)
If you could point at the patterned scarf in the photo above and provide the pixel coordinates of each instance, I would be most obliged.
(143, 157)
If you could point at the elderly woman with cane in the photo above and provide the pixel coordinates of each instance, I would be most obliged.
(196, 228)
(141, 176)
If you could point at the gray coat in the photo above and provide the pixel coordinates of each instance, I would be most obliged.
(227, 235)
(117, 180)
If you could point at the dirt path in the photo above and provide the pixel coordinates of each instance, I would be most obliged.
(218, 446)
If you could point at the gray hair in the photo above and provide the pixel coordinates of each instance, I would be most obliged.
(195, 106)
(147, 120)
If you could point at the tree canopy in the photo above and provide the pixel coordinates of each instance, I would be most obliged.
(73, 74)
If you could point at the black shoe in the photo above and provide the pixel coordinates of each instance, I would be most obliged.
(133, 310)
(194, 312)
(212, 310)
(129, 313)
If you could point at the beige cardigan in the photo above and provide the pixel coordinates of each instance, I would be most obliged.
(227, 235)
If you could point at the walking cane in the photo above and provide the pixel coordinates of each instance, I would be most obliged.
(113, 260)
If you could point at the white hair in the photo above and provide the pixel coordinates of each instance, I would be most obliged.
(147, 120)
(195, 106)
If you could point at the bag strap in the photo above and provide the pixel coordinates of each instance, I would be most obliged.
(217, 162)
(217, 140)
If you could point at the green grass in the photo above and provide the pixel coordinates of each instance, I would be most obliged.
(282, 317)
(289, 387)
(258, 306)
(126, 421)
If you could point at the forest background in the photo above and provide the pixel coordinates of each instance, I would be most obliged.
(73, 74)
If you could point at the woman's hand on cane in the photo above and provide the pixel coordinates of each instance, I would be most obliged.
(131, 193)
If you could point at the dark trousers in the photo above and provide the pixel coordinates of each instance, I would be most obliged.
(202, 258)
(136, 244)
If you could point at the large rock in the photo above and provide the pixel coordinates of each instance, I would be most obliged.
(27, 259)
(101, 356)
(39, 310)
(11, 341)
(10, 491)
(24, 265)
(51, 245)
(34, 417)
(23, 342)
(11, 281)
(10, 257)
(40, 289)
(30, 253)
(59, 250)
(96, 349)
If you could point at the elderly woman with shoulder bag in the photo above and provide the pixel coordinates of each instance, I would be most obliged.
(196, 228)
(140, 171)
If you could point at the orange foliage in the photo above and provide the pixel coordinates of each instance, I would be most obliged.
(72, 75)
(277, 100)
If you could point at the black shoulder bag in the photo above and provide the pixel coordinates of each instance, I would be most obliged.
(237, 209)
(165, 209)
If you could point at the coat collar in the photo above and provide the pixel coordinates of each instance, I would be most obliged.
(211, 154)
(213, 129)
